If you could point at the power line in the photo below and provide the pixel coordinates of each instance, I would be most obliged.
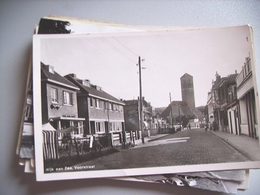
(127, 48)
(121, 51)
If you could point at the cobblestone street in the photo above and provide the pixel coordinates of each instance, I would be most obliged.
(182, 148)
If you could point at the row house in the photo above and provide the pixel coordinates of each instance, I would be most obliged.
(59, 104)
(246, 94)
(232, 105)
(222, 104)
(103, 113)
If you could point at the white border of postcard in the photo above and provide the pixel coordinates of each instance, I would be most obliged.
(41, 176)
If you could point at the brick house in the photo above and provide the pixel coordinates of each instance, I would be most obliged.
(103, 113)
(59, 103)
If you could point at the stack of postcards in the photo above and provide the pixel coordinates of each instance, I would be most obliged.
(177, 106)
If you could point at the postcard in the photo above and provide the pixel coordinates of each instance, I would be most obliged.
(122, 104)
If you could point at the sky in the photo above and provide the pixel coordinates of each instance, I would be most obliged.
(109, 60)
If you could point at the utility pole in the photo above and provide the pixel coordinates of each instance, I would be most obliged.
(140, 98)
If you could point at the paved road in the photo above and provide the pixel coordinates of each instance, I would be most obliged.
(183, 148)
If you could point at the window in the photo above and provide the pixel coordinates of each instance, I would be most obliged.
(97, 103)
(90, 102)
(101, 104)
(109, 106)
(67, 98)
(112, 106)
(79, 128)
(100, 127)
(121, 108)
(54, 95)
(94, 101)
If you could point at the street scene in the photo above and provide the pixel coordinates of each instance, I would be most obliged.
(147, 115)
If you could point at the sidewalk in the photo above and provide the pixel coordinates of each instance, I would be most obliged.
(246, 145)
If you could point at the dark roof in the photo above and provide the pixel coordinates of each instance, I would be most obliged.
(135, 101)
(92, 90)
(177, 108)
(45, 74)
(131, 102)
(225, 80)
(186, 75)
(230, 79)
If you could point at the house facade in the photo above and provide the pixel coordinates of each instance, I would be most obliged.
(132, 117)
(59, 103)
(211, 106)
(103, 113)
(222, 102)
(247, 102)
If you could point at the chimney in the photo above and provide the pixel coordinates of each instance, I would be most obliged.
(86, 82)
(49, 68)
(97, 87)
(73, 75)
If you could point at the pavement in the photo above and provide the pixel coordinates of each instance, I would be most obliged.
(246, 145)
(182, 148)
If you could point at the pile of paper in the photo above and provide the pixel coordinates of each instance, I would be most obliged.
(83, 115)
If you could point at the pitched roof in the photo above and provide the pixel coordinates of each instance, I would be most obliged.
(223, 80)
(92, 91)
(55, 77)
(178, 108)
(131, 102)
(136, 101)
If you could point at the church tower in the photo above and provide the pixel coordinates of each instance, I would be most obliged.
(187, 90)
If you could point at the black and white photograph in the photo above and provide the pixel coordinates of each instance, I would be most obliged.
(121, 104)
